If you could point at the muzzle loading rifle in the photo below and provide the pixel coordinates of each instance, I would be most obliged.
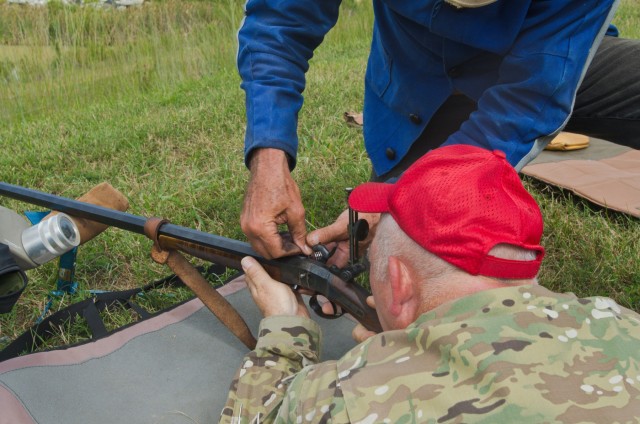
(311, 273)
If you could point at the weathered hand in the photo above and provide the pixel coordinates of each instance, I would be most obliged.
(271, 296)
(337, 233)
(272, 198)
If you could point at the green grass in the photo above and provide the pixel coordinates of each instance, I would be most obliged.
(148, 99)
(55, 55)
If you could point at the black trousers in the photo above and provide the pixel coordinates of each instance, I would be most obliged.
(607, 104)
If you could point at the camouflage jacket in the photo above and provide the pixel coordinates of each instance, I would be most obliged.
(517, 354)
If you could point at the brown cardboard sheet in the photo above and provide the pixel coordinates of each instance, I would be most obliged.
(604, 173)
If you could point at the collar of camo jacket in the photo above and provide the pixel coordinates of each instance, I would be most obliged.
(470, 3)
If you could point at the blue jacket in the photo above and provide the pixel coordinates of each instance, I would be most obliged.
(522, 60)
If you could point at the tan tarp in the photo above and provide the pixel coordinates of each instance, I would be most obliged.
(605, 174)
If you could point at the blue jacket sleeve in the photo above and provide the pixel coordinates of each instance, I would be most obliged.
(538, 79)
(276, 41)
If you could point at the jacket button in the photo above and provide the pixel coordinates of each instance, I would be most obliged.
(390, 153)
(415, 118)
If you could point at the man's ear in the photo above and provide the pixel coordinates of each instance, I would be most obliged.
(405, 299)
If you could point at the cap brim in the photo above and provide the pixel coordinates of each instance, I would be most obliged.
(371, 197)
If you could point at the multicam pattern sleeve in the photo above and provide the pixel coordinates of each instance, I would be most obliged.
(279, 381)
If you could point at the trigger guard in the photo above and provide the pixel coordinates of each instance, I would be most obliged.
(317, 308)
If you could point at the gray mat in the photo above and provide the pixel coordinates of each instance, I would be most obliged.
(174, 373)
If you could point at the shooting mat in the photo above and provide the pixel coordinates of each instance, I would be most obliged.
(604, 173)
(173, 368)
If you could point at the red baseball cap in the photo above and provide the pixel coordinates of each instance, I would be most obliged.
(458, 202)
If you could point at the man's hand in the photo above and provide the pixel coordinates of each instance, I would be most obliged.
(360, 333)
(271, 296)
(272, 198)
(338, 233)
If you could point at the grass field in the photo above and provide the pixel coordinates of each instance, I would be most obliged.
(148, 99)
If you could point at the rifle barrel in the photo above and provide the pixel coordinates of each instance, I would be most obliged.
(122, 220)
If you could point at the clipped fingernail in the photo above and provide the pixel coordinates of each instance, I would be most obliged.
(245, 262)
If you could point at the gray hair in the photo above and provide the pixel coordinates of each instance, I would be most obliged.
(391, 240)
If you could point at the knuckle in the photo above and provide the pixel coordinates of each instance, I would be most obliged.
(246, 224)
(297, 210)
(250, 227)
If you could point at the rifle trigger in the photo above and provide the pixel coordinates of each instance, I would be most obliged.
(317, 308)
